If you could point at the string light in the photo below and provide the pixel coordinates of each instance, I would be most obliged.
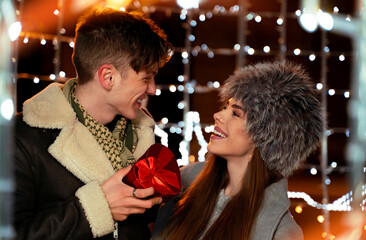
(36, 80)
(312, 57)
(172, 88)
(62, 74)
(341, 57)
(266, 49)
(258, 18)
(43, 41)
(164, 120)
(279, 21)
(7, 109)
(14, 31)
(251, 51)
(157, 92)
(313, 171)
(187, 4)
(320, 218)
(331, 92)
(180, 88)
(181, 105)
(162, 134)
(298, 209)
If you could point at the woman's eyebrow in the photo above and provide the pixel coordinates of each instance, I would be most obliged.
(237, 107)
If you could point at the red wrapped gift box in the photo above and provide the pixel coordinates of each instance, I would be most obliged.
(157, 168)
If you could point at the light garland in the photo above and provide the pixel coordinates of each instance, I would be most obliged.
(341, 204)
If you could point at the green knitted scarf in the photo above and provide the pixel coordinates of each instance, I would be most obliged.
(119, 144)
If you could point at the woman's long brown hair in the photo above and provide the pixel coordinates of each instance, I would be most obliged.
(195, 209)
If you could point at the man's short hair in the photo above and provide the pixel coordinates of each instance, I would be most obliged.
(118, 38)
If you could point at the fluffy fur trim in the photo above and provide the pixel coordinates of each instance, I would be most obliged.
(283, 114)
(100, 218)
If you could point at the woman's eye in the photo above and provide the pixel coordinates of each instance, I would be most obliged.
(235, 114)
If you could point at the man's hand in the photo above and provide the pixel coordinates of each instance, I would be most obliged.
(120, 199)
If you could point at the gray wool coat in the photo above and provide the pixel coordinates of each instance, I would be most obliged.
(274, 221)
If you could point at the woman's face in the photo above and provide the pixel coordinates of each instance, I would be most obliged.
(230, 140)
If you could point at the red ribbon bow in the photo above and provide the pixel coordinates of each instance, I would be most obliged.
(157, 168)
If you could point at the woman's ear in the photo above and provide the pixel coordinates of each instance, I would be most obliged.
(106, 76)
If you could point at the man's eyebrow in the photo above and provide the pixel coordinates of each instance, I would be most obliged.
(152, 72)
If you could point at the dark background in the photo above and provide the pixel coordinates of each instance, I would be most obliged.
(220, 32)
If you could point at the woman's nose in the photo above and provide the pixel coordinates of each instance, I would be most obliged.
(217, 117)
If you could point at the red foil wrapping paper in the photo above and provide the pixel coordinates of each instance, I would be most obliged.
(157, 168)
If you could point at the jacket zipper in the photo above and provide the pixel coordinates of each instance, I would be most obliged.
(115, 232)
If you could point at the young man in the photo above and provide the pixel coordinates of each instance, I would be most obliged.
(74, 143)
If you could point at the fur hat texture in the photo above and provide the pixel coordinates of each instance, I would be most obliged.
(283, 114)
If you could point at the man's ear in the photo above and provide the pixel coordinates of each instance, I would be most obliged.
(106, 76)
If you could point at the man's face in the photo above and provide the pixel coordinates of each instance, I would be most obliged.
(128, 92)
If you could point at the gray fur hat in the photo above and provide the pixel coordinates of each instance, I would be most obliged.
(284, 116)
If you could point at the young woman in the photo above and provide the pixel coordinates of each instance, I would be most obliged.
(270, 122)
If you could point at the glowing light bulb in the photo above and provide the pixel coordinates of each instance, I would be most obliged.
(181, 78)
(202, 17)
(346, 94)
(172, 88)
(325, 20)
(187, 4)
(14, 31)
(312, 57)
(320, 218)
(164, 120)
(331, 92)
(7, 109)
(309, 22)
(62, 74)
(298, 209)
(319, 86)
(297, 51)
(184, 54)
(266, 49)
(36, 80)
(157, 92)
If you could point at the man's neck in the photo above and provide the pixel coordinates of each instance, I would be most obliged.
(93, 103)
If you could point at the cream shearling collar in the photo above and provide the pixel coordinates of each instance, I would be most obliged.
(75, 147)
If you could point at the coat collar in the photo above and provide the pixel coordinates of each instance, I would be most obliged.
(75, 147)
